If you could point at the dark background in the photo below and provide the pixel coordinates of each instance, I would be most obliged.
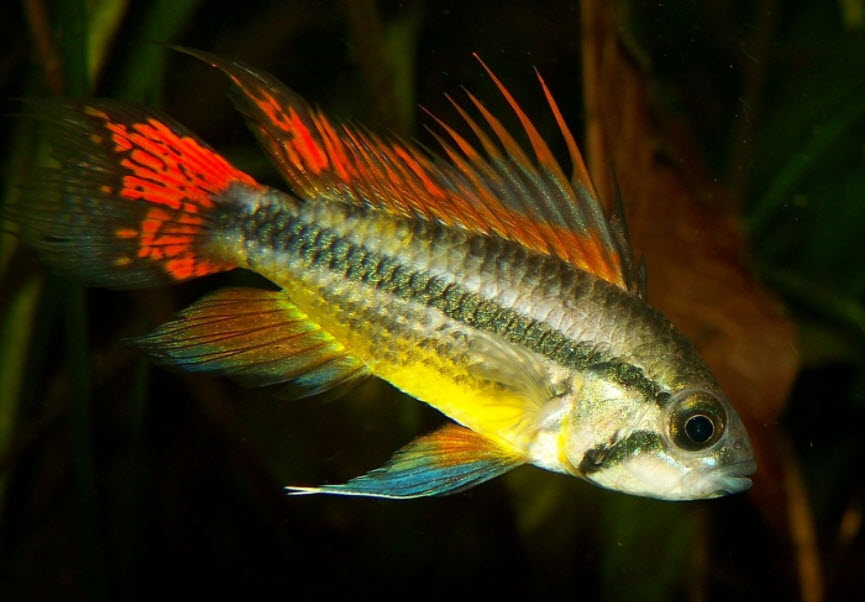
(120, 481)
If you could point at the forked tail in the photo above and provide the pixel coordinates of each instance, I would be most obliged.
(132, 199)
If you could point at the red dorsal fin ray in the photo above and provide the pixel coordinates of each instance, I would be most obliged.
(505, 193)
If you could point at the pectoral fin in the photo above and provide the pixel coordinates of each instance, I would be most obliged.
(513, 367)
(449, 460)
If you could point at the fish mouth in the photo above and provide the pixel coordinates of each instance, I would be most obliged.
(733, 478)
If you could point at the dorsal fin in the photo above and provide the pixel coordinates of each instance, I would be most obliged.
(504, 193)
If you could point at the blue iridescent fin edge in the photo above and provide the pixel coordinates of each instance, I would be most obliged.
(259, 338)
(447, 461)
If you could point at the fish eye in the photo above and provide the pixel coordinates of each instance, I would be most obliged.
(697, 421)
(699, 428)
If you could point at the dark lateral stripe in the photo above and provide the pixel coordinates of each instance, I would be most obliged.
(606, 455)
(272, 226)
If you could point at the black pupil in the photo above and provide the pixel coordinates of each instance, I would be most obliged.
(699, 428)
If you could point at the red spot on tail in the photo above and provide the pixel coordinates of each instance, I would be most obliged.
(168, 169)
(178, 177)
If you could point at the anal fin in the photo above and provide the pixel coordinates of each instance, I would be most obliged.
(446, 461)
(259, 338)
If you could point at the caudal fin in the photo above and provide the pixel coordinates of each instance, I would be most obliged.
(131, 201)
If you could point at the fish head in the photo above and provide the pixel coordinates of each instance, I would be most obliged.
(694, 446)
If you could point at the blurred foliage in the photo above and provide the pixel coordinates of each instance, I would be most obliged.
(118, 481)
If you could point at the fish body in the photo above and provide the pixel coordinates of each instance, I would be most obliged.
(491, 287)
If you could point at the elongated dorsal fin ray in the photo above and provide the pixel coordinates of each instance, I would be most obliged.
(633, 269)
(504, 193)
(508, 142)
(542, 151)
(531, 194)
(480, 212)
(579, 175)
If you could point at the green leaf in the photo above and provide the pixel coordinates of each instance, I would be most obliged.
(72, 32)
(15, 327)
(145, 69)
(646, 548)
(105, 19)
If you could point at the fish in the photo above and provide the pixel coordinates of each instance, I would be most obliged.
(480, 279)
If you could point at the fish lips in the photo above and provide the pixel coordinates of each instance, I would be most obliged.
(731, 479)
